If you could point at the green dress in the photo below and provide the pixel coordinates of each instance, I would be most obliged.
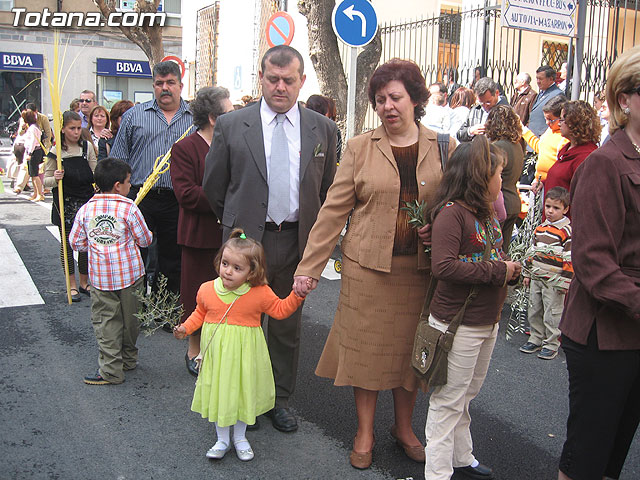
(236, 379)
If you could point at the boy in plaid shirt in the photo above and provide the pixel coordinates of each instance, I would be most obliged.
(111, 228)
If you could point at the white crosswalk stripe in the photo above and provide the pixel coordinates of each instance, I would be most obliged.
(56, 234)
(15, 273)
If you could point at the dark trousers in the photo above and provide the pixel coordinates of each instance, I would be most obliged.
(283, 336)
(160, 210)
(507, 231)
(604, 409)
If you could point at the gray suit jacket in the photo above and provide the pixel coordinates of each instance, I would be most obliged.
(537, 122)
(235, 174)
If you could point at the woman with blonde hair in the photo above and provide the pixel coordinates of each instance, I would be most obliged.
(601, 321)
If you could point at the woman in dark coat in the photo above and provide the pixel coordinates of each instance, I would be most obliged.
(601, 321)
(199, 233)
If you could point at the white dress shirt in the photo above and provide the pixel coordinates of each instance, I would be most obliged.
(292, 131)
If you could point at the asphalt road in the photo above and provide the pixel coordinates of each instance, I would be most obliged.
(53, 426)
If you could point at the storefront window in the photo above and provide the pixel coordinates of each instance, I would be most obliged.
(16, 90)
(6, 5)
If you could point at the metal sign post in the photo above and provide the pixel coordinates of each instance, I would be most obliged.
(355, 23)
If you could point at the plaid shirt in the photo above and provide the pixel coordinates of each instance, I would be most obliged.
(111, 228)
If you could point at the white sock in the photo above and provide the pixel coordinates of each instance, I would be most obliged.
(223, 437)
(239, 438)
(475, 463)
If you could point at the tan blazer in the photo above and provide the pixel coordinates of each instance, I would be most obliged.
(368, 182)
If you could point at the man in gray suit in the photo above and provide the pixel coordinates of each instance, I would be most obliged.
(268, 171)
(546, 80)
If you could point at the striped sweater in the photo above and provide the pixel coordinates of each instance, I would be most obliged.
(552, 250)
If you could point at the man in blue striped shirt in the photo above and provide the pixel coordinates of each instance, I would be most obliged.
(147, 131)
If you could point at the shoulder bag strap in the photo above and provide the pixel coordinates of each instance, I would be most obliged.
(218, 326)
(457, 320)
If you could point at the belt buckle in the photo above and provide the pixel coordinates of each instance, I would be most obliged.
(279, 228)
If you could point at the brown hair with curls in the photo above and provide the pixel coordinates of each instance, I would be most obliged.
(503, 124)
(463, 97)
(253, 253)
(117, 110)
(466, 177)
(93, 112)
(406, 72)
(582, 121)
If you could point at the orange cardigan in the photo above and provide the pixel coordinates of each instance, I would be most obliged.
(246, 311)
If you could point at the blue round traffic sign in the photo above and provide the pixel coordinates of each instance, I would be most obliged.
(355, 22)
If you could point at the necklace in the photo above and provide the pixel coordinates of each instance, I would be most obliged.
(635, 145)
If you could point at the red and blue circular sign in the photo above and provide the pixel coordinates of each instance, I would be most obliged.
(280, 29)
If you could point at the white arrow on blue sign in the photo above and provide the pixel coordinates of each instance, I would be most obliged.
(355, 22)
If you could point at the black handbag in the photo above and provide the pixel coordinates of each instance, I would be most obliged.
(431, 346)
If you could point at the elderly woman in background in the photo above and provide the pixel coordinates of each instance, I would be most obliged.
(580, 124)
(504, 130)
(198, 231)
(105, 144)
(99, 125)
(385, 271)
(601, 321)
(461, 102)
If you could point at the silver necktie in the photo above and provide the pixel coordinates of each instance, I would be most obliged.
(279, 173)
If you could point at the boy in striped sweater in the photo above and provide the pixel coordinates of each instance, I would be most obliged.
(551, 263)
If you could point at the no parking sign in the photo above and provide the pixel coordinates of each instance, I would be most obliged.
(280, 29)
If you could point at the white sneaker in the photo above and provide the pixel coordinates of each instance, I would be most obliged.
(218, 451)
(245, 454)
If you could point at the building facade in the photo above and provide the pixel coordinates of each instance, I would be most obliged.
(96, 58)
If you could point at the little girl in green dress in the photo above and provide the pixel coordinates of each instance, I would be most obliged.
(235, 383)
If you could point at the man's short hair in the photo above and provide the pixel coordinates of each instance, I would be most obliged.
(560, 194)
(89, 92)
(109, 171)
(441, 86)
(281, 56)
(438, 98)
(549, 72)
(163, 69)
(31, 106)
(484, 85)
(526, 78)
(554, 106)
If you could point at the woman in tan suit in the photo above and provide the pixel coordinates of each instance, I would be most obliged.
(385, 271)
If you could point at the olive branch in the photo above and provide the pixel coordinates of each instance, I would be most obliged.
(416, 211)
(161, 307)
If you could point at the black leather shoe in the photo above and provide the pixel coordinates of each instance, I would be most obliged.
(283, 419)
(192, 366)
(255, 426)
(481, 472)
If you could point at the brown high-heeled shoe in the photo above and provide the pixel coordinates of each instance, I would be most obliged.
(415, 453)
(362, 460)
